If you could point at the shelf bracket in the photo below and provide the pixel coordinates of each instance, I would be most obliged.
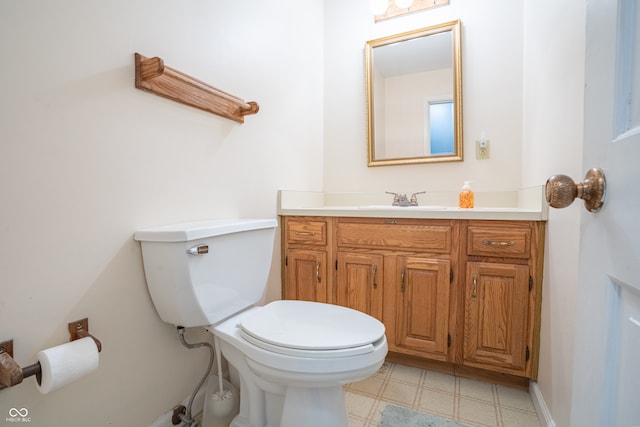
(153, 76)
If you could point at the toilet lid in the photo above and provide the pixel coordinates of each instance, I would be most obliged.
(303, 328)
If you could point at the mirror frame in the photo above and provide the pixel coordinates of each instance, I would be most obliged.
(455, 28)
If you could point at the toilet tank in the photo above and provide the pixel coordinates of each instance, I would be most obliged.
(200, 273)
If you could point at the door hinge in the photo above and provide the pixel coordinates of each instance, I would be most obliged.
(530, 283)
(448, 340)
(527, 354)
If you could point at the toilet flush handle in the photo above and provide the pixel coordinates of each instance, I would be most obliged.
(198, 250)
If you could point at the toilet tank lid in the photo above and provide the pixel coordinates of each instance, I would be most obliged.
(186, 231)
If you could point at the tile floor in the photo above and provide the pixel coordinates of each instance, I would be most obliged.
(466, 401)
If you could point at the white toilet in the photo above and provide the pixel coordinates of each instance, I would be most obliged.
(292, 357)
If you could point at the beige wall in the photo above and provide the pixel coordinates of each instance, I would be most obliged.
(86, 159)
(491, 84)
(552, 144)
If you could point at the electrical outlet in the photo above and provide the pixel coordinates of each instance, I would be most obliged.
(482, 149)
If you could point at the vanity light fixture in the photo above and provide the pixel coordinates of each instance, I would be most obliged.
(385, 9)
(379, 7)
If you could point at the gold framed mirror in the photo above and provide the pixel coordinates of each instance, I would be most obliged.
(414, 96)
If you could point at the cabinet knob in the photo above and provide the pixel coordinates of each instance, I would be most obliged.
(561, 190)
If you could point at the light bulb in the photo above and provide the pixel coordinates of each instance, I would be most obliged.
(379, 7)
(404, 4)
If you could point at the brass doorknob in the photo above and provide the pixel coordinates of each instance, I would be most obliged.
(561, 191)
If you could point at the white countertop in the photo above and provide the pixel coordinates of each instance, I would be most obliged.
(526, 205)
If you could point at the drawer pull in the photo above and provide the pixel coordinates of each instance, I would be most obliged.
(375, 282)
(474, 290)
(402, 280)
(305, 233)
(496, 243)
(318, 278)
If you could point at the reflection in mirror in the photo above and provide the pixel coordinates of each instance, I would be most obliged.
(414, 96)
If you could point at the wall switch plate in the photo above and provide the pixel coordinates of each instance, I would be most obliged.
(482, 149)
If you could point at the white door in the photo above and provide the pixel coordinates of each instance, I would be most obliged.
(606, 387)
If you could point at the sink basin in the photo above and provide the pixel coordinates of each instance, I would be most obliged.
(412, 208)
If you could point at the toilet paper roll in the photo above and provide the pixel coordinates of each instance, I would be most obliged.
(66, 363)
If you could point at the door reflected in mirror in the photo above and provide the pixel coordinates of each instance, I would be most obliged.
(414, 95)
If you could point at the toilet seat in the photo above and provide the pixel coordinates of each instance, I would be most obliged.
(310, 329)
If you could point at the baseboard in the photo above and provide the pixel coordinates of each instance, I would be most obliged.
(541, 406)
(164, 420)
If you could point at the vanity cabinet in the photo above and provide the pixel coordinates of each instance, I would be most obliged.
(305, 269)
(502, 296)
(360, 281)
(422, 307)
(399, 271)
(495, 316)
(463, 294)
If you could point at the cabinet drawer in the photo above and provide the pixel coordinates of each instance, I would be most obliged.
(308, 232)
(433, 238)
(509, 242)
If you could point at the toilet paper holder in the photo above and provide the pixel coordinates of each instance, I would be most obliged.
(12, 374)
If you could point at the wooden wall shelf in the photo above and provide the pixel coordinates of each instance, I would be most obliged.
(153, 76)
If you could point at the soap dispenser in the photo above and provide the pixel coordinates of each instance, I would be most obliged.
(465, 199)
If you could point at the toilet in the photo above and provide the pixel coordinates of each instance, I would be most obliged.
(291, 357)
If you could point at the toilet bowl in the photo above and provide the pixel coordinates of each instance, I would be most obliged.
(292, 357)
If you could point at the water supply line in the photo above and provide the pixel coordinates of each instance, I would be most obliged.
(180, 413)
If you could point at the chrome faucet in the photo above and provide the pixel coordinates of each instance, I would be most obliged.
(400, 199)
(414, 198)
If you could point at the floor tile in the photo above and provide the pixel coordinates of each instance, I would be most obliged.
(477, 413)
(440, 381)
(377, 413)
(400, 393)
(514, 418)
(435, 402)
(406, 374)
(371, 386)
(467, 401)
(476, 389)
(359, 405)
(515, 398)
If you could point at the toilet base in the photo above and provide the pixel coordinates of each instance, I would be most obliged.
(307, 407)
(317, 407)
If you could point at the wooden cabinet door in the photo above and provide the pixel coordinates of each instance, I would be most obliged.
(495, 316)
(306, 275)
(423, 306)
(359, 282)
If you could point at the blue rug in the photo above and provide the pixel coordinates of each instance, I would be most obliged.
(395, 416)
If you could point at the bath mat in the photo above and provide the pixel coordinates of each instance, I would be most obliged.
(396, 416)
